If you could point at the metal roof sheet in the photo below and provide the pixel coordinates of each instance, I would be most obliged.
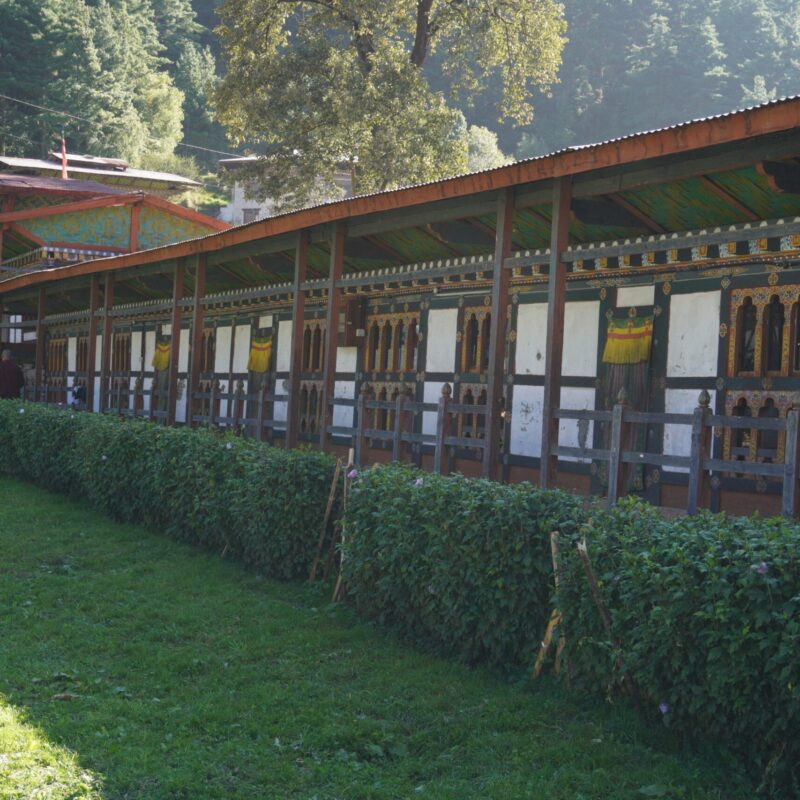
(41, 183)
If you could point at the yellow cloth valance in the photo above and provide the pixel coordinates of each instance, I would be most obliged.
(161, 356)
(260, 354)
(629, 341)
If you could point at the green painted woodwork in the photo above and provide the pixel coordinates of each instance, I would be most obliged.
(100, 227)
(158, 227)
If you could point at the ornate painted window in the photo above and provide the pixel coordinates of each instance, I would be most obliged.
(475, 334)
(391, 343)
(313, 346)
(82, 354)
(207, 351)
(57, 356)
(121, 353)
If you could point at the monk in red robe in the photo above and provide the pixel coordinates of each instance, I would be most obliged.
(11, 377)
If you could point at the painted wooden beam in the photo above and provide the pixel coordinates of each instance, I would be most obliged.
(175, 341)
(39, 364)
(91, 357)
(554, 345)
(105, 357)
(332, 331)
(198, 322)
(296, 350)
(497, 335)
(70, 208)
(727, 198)
(133, 238)
(648, 222)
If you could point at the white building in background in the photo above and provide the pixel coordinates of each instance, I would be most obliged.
(245, 207)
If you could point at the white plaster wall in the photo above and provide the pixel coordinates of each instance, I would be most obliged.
(279, 414)
(284, 353)
(344, 415)
(636, 296)
(131, 386)
(222, 351)
(147, 384)
(526, 421)
(569, 431)
(265, 321)
(98, 353)
(136, 351)
(693, 335)
(183, 351)
(432, 393)
(441, 345)
(678, 438)
(531, 337)
(581, 330)
(241, 348)
(72, 353)
(166, 329)
(149, 349)
(346, 359)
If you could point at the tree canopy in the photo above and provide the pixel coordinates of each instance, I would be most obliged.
(321, 84)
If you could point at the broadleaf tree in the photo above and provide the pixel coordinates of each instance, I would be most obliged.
(318, 85)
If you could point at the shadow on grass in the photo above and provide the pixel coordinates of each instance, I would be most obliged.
(184, 676)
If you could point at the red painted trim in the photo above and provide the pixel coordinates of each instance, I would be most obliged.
(186, 213)
(70, 208)
(738, 126)
(31, 237)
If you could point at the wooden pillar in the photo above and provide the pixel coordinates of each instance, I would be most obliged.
(332, 335)
(296, 351)
(198, 324)
(40, 312)
(554, 347)
(497, 333)
(175, 340)
(91, 355)
(105, 359)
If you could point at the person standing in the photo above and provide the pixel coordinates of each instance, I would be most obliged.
(11, 377)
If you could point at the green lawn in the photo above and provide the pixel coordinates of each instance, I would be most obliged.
(134, 667)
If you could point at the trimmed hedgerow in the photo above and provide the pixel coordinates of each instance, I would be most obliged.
(706, 613)
(459, 563)
(264, 504)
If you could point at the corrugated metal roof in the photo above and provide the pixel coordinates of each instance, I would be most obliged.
(167, 178)
(41, 183)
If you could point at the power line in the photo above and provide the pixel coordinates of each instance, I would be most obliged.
(94, 122)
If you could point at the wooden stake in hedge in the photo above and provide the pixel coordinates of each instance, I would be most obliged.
(338, 589)
(556, 621)
(326, 519)
(630, 686)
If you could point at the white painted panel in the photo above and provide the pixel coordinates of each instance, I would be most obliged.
(581, 329)
(570, 432)
(432, 393)
(441, 345)
(284, 354)
(98, 353)
(180, 405)
(344, 415)
(346, 359)
(241, 348)
(265, 321)
(222, 351)
(636, 296)
(147, 384)
(693, 335)
(72, 353)
(149, 349)
(136, 351)
(279, 412)
(131, 396)
(96, 404)
(526, 421)
(531, 336)
(166, 329)
(678, 438)
(183, 353)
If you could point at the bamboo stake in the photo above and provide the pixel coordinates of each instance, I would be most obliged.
(326, 519)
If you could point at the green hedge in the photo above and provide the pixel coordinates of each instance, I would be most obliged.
(265, 504)
(459, 563)
(706, 611)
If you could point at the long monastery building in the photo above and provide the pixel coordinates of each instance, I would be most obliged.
(591, 319)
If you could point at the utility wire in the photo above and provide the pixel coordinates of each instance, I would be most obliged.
(94, 122)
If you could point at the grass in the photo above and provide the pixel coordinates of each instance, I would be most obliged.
(135, 667)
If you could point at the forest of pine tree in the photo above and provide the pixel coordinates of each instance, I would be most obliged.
(142, 71)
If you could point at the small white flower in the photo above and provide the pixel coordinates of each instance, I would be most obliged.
(229, 446)
(104, 457)
(22, 411)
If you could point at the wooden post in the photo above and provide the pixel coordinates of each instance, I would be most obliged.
(616, 466)
(332, 335)
(175, 341)
(39, 372)
(440, 460)
(789, 502)
(701, 441)
(198, 323)
(91, 355)
(554, 347)
(105, 357)
(399, 447)
(296, 351)
(212, 400)
(133, 240)
(262, 392)
(361, 427)
(497, 333)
